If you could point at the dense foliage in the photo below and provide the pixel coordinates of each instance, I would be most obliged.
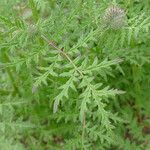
(74, 74)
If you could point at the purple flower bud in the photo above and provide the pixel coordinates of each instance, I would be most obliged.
(114, 18)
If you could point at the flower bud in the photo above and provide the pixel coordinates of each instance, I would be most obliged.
(114, 18)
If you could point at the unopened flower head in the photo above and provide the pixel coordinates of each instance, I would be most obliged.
(114, 17)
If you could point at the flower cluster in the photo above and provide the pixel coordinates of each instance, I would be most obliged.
(114, 17)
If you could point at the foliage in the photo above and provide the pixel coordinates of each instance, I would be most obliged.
(69, 81)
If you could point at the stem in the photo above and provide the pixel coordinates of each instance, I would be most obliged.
(62, 52)
(51, 43)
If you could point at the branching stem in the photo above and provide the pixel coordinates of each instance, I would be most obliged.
(51, 43)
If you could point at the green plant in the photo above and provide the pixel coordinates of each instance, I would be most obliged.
(74, 75)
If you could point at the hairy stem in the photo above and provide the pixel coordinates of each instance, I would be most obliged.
(51, 43)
